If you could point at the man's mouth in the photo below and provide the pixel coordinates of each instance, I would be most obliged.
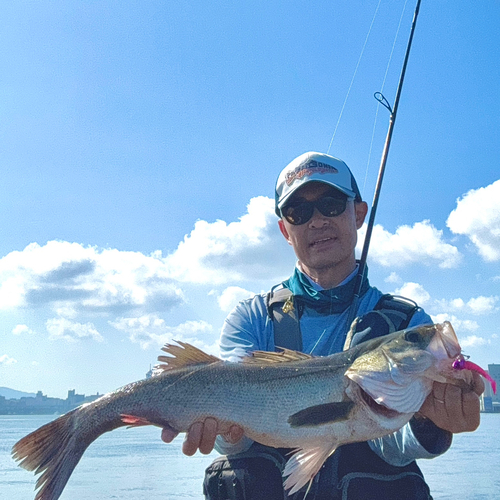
(320, 241)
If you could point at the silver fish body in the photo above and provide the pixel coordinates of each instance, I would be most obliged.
(283, 399)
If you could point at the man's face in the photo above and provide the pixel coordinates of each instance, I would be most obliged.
(325, 243)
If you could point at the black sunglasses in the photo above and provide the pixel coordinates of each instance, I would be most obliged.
(301, 212)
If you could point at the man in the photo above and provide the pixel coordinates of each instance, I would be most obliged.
(320, 210)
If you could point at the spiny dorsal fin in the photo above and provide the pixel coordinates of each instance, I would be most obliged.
(184, 355)
(283, 356)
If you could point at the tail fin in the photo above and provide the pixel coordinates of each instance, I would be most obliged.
(53, 450)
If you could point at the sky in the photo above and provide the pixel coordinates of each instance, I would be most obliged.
(140, 143)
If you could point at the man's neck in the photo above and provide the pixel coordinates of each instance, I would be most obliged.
(329, 277)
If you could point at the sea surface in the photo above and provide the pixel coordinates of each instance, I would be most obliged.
(134, 464)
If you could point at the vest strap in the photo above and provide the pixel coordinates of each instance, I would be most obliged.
(285, 315)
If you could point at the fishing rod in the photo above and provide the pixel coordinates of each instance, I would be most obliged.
(392, 120)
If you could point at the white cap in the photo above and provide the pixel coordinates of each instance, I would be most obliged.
(317, 167)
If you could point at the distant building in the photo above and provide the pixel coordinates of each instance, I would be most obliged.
(74, 399)
(487, 404)
(490, 402)
(43, 405)
(494, 372)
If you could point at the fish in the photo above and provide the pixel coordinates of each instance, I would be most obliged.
(283, 399)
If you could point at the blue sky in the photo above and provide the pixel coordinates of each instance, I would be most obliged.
(140, 144)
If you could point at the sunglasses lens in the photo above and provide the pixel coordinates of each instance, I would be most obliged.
(331, 207)
(300, 213)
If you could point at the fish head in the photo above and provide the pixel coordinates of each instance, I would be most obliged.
(397, 371)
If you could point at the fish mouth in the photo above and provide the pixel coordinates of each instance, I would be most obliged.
(444, 344)
(377, 408)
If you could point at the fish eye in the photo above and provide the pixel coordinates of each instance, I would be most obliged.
(412, 336)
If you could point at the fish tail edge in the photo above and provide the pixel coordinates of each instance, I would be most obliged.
(53, 450)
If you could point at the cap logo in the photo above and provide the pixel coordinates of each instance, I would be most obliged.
(309, 168)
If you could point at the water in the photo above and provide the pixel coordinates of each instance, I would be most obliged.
(136, 465)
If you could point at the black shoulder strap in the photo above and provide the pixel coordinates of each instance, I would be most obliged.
(398, 309)
(391, 314)
(285, 316)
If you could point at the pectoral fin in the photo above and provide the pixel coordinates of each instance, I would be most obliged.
(133, 421)
(304, 464)
(321, 414)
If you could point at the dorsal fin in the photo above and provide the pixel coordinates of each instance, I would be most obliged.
(283, 356)
(184, 354)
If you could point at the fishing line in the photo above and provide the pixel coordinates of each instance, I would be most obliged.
(317, 342)
(392, 120)
(353, 77)
(381, 91)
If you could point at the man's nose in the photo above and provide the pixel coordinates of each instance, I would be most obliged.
(318, 219)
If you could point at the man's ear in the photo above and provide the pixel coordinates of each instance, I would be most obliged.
(361, 209)
(283, 230)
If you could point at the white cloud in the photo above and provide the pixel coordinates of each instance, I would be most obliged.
(459, 325)
(415, 292)
(473, 341)
(151, 331)
(7, 360)
(393, 278)
(70, 278)
(251, 248)
(477, 305)
(22, 329)
(477, 216)
(482, 305)
(422, 243)
(231, 296)
(62, 328)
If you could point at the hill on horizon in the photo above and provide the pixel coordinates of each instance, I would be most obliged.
(13, 394)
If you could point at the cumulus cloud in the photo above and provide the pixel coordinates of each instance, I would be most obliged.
(393, 278)
(231, 296)
(6, 360)
(71, 278)
(64, 329)
(421, 243)
(477, 216)
(251, 248)
(459, 325)
(22, 329)
(151, 331)
(482, 305)
(477, 305)
(415, 292)
(473, 341)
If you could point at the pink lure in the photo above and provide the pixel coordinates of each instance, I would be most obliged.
(462, 364)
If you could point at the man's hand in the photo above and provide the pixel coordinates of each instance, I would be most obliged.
(201, 436)
(452, 408)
